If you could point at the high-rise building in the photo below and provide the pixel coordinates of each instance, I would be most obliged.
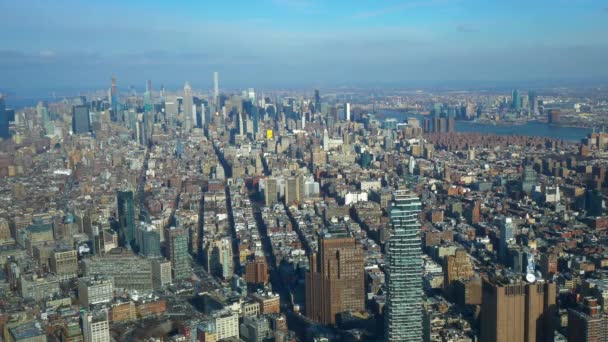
(529, 180)
(292, 189)
(256, 271)
(187, 108)
(64, 263)
(587, 322)
(148, 239)
(95, 290)
(114, 100)
(130, 272)
(271, 191)
(532, 99)
(4, 120)
(317, 101)
(81, 122)
(161, 272)
(178, 253)
(507, 234)
(347, 111)
(126, 215)
(514, 311)
(216, 88)
(335, 282)
(403, 311)
(516, 100)
(95, 326)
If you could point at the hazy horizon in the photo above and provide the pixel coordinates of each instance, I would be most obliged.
(301, 44)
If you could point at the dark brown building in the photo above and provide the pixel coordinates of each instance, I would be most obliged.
(335, 282)
(517, 311)
(256, 272)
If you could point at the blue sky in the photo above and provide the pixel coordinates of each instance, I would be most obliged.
(67, 44)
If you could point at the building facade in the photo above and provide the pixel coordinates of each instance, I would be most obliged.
(403, 313)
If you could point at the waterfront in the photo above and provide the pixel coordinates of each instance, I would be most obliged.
(534, 129)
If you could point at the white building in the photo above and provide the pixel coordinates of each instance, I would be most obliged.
(95, 290)
(95, 326)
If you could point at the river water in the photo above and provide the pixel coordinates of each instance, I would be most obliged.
(534, 129)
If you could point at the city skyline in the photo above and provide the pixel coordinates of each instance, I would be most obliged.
(301, 43)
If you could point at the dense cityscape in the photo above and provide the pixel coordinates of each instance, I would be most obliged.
(313, 215)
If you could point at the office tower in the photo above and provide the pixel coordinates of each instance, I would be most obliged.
(451, 125)
(178, 253)
(507, 234)
(216, 88)
(148, 240)
(515, 311)
(532, 99)
(95, 325)
(587, 322)
(81, 122)
(187, 108)
(255, 117)
(43, 115)
(529, 180)
(4, 120)
(148, 105)
(114, 100)
(347, 111)
(403, 311)
(334, 283)
(130, 272)
(317, 101)
(271, 191)
(95, 290)
(325, 140)
(126, 216)
(161, 272)
(515, 100)
(292, 190)
(64, 263)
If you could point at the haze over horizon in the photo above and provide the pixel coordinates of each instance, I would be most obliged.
(300, 43)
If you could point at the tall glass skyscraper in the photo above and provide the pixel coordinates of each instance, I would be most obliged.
(126, 215)
(403, 314)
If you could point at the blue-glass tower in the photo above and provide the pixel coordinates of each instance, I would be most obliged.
(403, 313)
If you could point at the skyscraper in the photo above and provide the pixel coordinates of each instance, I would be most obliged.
(533, 101)
(317, 101)
(126, 215)
(335, 282)
(347, 111)
(178, 253)
(4, 133)
(403, 312)
(516, 100)
(515, 311)
(114, 100)
(507, 234)
(81, 122)
(216, 88)
(187, 105)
